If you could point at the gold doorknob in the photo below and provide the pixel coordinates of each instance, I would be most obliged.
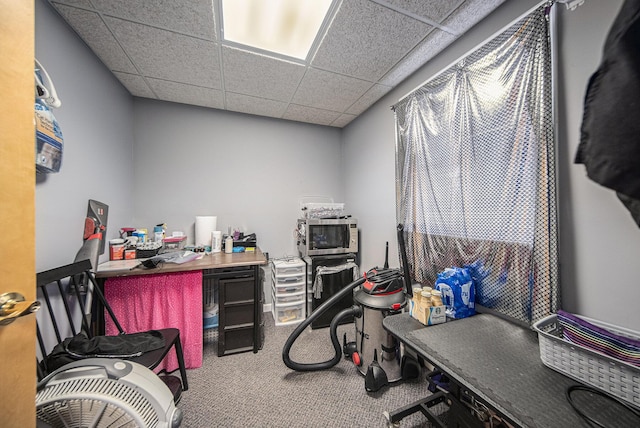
(13, 305)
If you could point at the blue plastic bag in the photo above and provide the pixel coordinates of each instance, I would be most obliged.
(488, 292)
(458, 292)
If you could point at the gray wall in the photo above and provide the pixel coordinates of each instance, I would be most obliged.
(599, 242)
(96, 122)
(249, 171)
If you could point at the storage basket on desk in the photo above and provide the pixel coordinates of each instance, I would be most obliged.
(147, 253)
(605, 373)
(322, 210)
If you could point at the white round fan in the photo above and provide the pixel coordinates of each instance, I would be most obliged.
(103, 392)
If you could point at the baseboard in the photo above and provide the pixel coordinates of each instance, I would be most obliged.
(266, 307)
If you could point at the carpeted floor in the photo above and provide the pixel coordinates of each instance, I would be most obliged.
(258, 390)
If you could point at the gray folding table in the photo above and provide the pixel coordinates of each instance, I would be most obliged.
(496, 363)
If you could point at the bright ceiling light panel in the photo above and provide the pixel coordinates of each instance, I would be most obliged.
(287, 27)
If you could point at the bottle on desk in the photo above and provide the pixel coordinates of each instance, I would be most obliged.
(415, 301)
(158, 234)
(436, 298)
(228, 244)
(424, 308)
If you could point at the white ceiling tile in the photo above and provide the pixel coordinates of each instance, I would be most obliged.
(371, 96)
(97, 36)
(365, 40)
(435, 42)
(259, 75)
(194, 17)
(310, 115)
(434, 10)
(470, 13)
(329, 91)
(135, 84)
(187, 94)
(167, 49)
(343, 120)
(167, 55)
(252, 105)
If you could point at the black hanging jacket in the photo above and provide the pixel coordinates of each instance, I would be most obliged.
(610, 133)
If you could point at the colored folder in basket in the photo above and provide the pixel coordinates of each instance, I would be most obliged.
(581, 332)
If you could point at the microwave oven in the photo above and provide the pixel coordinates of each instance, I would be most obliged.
(320, 236)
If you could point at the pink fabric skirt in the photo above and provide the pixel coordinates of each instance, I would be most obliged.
(152, 302)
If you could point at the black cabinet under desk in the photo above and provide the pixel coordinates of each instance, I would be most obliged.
(240, 307)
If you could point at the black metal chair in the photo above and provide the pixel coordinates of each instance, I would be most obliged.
(74, 282)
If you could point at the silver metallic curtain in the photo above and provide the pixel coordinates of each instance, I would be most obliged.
(475, 172)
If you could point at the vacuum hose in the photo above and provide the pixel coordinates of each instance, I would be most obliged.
(354, 310)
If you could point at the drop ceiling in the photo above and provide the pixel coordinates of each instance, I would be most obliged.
(172, 50)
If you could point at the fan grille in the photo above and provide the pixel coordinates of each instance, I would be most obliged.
(94, 403)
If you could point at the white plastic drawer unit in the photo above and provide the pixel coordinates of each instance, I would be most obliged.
(283, 299)
(289, 313)
(286, 289)
(288, 276)
(289, 294)
(288, 267)
(282, 281)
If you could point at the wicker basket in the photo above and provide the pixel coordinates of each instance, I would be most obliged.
(615, 377)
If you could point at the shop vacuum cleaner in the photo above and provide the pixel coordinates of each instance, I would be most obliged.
(377, 355)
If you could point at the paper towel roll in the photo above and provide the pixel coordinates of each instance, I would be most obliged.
(216, 241)
(205, 224)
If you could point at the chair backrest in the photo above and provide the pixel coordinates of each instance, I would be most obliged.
(68, 293)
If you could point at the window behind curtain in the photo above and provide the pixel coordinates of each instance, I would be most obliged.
(475, 172)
